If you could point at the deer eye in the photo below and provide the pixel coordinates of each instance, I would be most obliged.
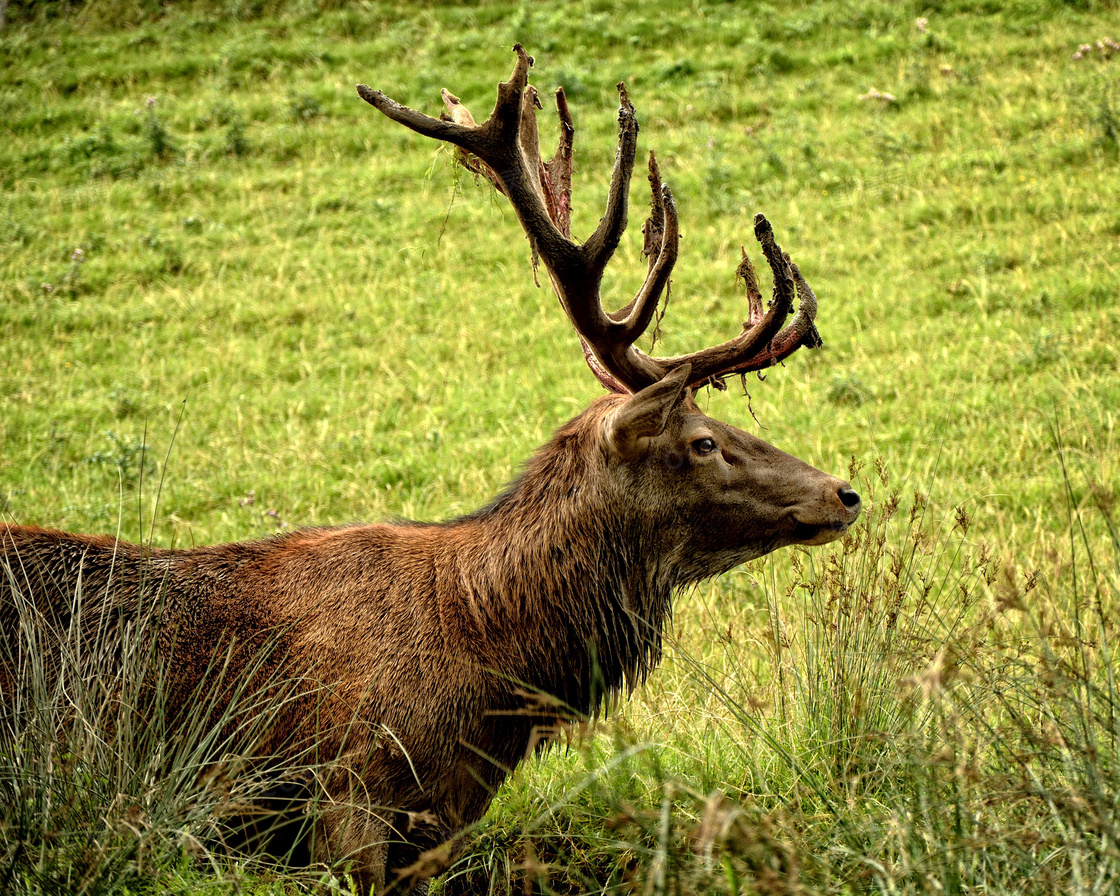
(704, 446)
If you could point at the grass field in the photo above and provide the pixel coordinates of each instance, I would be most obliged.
(235, 299)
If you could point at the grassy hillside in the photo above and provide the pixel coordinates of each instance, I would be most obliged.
(235, 299)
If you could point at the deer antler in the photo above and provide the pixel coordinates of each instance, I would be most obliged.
(505, 149)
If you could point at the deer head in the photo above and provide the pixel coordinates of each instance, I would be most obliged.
(717, 495)
(737, 496)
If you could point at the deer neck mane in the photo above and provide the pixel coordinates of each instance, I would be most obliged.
(573, 586)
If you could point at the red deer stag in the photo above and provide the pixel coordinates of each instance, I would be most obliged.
(438, 642)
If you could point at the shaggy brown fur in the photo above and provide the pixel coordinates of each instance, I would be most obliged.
(450, 651)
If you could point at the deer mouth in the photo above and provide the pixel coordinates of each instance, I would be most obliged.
(817, 533)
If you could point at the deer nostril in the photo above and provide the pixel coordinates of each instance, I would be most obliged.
(849, 497)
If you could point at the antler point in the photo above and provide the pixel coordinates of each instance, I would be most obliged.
(369, 94)
(520, 51)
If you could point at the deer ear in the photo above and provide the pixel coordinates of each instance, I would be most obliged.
(646, 414)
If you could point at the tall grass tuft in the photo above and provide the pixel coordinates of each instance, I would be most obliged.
(110, 782)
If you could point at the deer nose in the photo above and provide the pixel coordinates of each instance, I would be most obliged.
(849, 497)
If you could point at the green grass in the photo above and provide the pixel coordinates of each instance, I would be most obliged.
(287, 311)
(109, 783)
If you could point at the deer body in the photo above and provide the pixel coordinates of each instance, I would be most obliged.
(462, 646)
(445, 653)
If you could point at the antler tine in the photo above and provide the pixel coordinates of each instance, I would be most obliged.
(745, 273)
(497, 144)
(763, 341)
(605, 336)
(615, 349)
(602, 243)
(661, 241)
(559, 167)
(802, 331)
(611, 355)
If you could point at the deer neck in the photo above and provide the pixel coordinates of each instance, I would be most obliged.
(572, 590)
